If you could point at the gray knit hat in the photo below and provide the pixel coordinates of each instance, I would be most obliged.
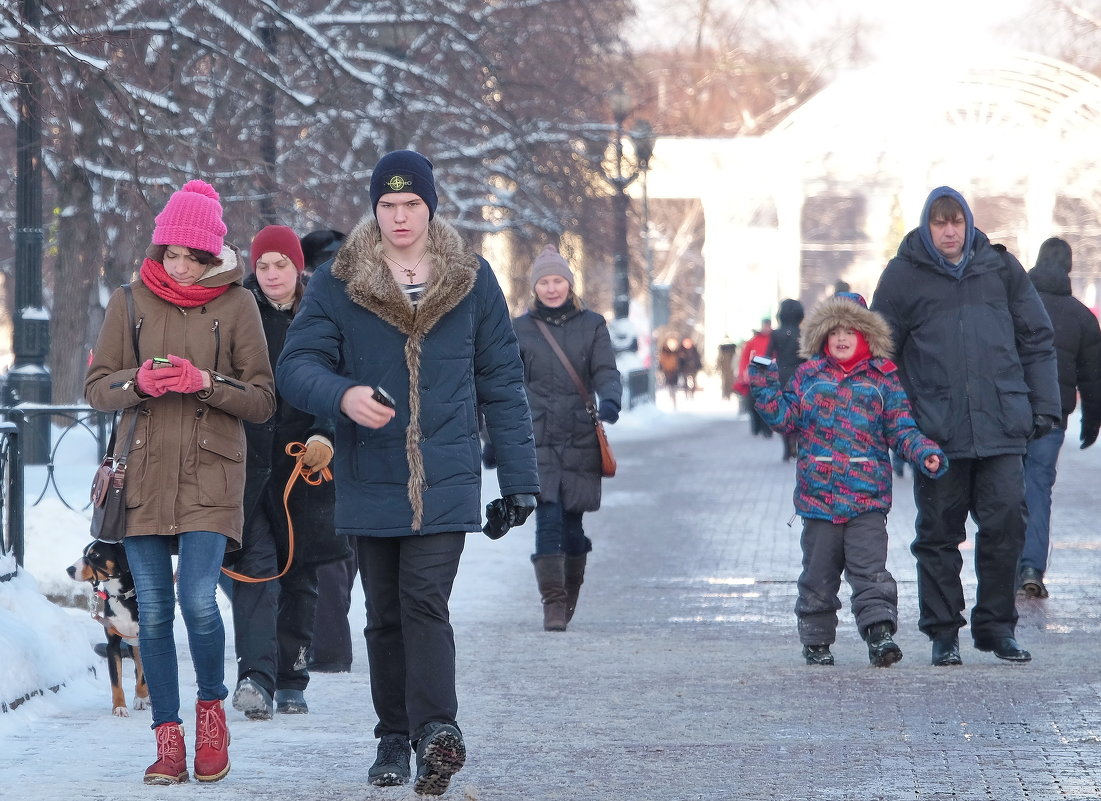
(550, 262)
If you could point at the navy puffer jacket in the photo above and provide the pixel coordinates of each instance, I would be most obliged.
(441, 361)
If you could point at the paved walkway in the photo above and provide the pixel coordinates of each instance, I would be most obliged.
(681, 676)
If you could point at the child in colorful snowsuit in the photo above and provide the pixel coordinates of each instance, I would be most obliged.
(848, 408)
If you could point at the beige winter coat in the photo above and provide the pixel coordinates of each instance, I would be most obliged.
(186, 468)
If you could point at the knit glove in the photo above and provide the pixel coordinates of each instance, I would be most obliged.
(189, 380)
(147, 380)
(608, 411)
(318, 455)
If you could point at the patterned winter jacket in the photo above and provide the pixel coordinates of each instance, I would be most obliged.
(845, 421)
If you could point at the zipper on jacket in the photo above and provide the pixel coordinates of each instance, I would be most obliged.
(217, 342)
(223, 380)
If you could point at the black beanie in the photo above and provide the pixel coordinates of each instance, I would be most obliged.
(404, 171)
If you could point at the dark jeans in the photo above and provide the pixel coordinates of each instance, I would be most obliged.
(859, 548)
(410, 643)
(992, 491)
(332, 634)
(196, 579)
(272, 620)
(559, 531)
(1040, 463)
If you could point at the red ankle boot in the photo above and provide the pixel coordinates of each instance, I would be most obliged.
(171, 764)
(211, 741)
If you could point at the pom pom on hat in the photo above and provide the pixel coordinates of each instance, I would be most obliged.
(192, 218)
(404, 171)
(550, 262)
(277, 239)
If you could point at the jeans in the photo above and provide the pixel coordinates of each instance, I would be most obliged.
(1040, 461)
(558, 530)
(198, 568)
(410, 643)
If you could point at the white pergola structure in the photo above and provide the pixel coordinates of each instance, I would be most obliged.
(831, 191)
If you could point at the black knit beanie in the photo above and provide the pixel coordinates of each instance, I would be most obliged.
(404, 171)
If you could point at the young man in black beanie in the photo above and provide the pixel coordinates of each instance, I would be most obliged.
(401, 339)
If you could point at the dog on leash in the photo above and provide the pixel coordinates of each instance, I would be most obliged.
(103, 564)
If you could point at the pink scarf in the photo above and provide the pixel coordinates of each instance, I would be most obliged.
(164, 286)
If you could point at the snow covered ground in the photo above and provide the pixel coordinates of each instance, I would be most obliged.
(47, 646)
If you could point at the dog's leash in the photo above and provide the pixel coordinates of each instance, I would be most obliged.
(311, 477)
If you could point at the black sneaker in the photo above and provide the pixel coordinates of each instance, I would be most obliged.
(817, 654)
(441, 754)
(882, 650)
(391, 766)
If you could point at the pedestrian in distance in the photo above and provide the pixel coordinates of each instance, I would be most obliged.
(847, 406)
(690, 365)
(783, 346)
(565, 438)
(181, 354)
(401, 339)
(1078, 357)
(669, 365)
(756, 345)
(274, 619)
(974, 349)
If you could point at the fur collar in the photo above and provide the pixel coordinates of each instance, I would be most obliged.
(833, 312)
(361, 265)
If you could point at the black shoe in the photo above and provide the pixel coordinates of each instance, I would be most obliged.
(252, 699)
(1031, 583)
(391, 766)
(291, 702)
(946, 651)
(101, 650)
(817, 654)
(441, 754)
(1004, 648)
(882, 650)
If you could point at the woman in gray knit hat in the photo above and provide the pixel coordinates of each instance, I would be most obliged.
(565, 439)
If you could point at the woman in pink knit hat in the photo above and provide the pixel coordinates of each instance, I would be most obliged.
(182, 356)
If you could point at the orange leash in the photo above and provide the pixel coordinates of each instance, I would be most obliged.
(311, 477)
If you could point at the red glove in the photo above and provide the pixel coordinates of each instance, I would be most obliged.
(189, 379)
(147, 380)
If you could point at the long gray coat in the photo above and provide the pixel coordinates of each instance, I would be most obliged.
(565, 439)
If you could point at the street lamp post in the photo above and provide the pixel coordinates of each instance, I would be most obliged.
(643, 137)
(621, 107)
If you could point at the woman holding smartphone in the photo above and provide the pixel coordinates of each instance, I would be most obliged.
(181, 354)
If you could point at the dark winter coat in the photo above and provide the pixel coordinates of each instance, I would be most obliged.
(565, 438)
(783, 344)
(846, 421)
(441, 360)
(1077, 336)
(975, 350)
(186, 468)
(269, 466)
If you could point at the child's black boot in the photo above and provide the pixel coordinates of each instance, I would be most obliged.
(817, 654)
(882, 650)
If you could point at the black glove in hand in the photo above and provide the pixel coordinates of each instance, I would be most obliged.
(608, 411)
(1089, 432)
(519, 507)
(1041, 425)
(497, 524)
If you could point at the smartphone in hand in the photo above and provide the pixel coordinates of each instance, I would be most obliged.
(761, 361)
(159, 361)
(380, 395)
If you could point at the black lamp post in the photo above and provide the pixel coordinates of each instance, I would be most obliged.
(29, 380)
(621, 285)
(643, 138)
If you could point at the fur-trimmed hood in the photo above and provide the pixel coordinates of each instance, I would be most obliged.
(836, 311)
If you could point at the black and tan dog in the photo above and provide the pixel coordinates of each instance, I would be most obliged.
(116, 608)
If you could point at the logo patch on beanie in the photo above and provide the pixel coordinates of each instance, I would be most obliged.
(396, 183)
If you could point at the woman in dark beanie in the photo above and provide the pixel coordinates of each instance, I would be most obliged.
(186, 463)
(274, 620)
(401, 339)
(565, 439)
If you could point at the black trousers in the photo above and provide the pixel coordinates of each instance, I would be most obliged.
(332, 633)
(407, 585)
(858, 548)
(272, 621)
(992, 491)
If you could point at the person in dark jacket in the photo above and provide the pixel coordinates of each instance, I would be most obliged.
(848, 405)
(273, 620)
(690, 365)
(783, 347)
(974, 349)
(565, 439)
(401, 339)
(1078, 354)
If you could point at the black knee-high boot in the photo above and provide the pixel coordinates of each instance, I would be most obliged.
(575, 577)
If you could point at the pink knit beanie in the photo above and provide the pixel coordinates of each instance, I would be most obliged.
(550, 262)
(192, 218)
(277, 239)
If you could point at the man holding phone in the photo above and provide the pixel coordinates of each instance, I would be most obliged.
(423, 341)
